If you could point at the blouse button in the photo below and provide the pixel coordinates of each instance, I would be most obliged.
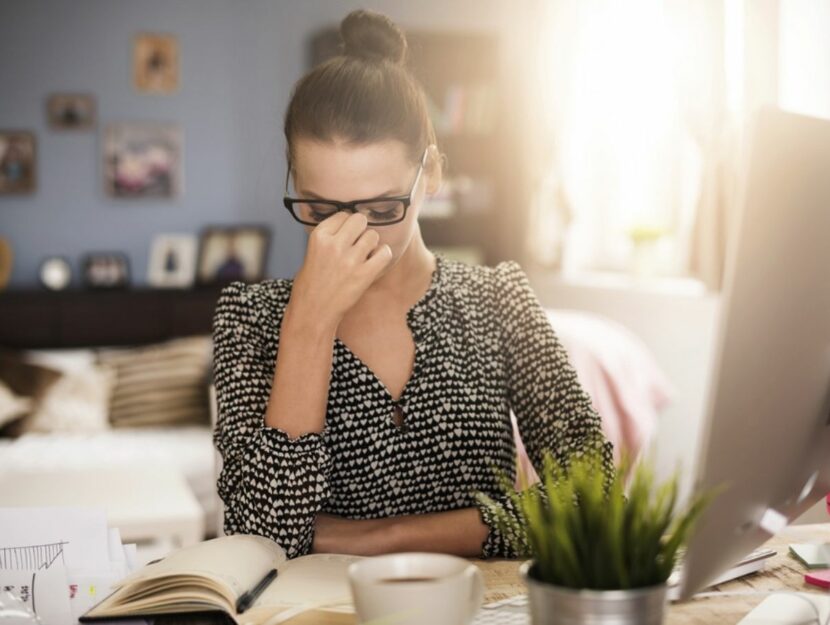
(398, 414)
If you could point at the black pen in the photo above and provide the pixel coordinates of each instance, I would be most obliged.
(247, 598)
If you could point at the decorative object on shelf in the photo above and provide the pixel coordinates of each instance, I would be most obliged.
(106, 270)
(599, 555)
(143, 160)
(71, 111)
(466, 108)
(55, 273)
(646, 240)
(6, 262)
(173, 261)
(156, 63)
(228, 253)
(18, 162)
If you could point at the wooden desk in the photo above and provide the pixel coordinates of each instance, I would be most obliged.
(782, 572)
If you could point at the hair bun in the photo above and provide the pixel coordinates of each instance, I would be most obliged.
(372, 36)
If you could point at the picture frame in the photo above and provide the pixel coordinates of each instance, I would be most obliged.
(105, 270)
(172, 261)
(18, 162)
(143, 160)
(155, 63)
(229, 253)
(6, 261)
(71, 111)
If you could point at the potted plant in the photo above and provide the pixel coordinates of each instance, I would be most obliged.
(599, 556)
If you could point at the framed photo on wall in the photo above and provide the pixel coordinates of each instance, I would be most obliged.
(70, 111)
(18, 162)
(155, 63)
(143, 160)
(173, 261)
(228, 253)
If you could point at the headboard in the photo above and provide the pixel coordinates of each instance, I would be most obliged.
(40, 319)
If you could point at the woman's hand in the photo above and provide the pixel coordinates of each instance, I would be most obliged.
(342, 260)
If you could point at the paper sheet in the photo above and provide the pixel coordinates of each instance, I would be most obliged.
(87, 589)
(131, 554)
(43, 591)
(814, 556)
(74, 558)
(38, 538)
(320, 577)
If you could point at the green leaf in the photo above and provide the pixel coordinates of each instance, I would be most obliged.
(584, 531)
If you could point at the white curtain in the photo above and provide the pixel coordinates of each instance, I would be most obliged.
(629, 107)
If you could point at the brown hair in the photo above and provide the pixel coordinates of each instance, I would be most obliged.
(364, 95)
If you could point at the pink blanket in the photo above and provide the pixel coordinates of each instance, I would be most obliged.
(627, 387)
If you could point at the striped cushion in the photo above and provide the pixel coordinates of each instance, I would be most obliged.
(160, 384)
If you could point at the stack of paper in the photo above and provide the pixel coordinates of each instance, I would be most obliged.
(61, 561)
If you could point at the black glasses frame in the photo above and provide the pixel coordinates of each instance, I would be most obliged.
(289, 202)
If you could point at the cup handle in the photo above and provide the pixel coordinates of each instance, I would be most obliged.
(473, 573)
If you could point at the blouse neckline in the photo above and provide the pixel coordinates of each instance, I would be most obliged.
(422, 318)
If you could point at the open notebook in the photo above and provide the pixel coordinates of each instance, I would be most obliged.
(211, 576)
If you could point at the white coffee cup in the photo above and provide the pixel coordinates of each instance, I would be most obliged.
(416, 589)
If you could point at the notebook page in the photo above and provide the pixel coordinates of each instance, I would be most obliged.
(240, 561)
(310, 579)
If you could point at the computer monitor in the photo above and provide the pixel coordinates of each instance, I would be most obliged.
(765, 434)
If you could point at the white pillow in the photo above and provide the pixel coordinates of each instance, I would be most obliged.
(61, 359)
(12, 406)
(76, 402)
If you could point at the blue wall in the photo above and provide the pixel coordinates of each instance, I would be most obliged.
(238, 62)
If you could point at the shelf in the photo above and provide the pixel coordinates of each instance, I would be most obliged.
(82, 318)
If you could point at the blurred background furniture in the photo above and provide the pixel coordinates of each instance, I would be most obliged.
(142, 358)
(151, 506)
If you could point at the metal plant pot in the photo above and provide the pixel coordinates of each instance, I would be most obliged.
(557, 605)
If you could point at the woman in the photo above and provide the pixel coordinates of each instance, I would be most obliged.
(363, 403)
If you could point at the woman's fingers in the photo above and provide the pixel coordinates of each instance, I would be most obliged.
(351, 229)
(379, 259)
(366, 243)
(332, 224)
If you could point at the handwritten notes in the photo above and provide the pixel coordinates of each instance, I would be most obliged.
(43, 591)
(61, 561)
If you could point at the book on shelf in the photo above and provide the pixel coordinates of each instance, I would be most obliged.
(466, 109)
(245, 578)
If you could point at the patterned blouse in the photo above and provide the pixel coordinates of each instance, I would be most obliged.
(483, 347)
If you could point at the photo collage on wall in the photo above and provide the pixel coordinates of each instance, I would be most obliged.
(140, 161)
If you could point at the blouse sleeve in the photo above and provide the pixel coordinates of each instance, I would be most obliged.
(272, 485)
(552, 409)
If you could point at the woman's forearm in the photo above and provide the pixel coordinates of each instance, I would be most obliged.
(458, 532)
(297, 404)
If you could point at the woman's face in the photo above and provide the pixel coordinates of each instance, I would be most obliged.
(343, 172)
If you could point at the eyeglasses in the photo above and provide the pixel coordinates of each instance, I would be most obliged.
(380, 211)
